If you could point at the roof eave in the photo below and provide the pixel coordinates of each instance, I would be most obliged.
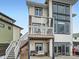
(7, 17)
(71, 2)
(31, 3)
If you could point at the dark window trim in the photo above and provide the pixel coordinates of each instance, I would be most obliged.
(41, 11)
(60, 3)
(61, 14)
(62, 20)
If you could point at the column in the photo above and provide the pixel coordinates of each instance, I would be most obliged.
(71, 31)
(51, 48)
(29, 48)
(50, 11)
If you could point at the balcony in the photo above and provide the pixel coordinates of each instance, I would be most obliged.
(39, 31)
(40, 26)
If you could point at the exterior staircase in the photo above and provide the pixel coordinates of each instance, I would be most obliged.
(11, 55)
(12, 52)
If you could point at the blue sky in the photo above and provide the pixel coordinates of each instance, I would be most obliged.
(17, 9)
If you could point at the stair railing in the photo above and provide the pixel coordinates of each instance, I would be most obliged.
(8, 50)
(17, 48)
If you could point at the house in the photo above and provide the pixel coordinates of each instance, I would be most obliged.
(50, 30)
(75, 39)
(8, 32)
(50, 23)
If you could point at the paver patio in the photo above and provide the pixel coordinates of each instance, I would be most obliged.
(67, 57)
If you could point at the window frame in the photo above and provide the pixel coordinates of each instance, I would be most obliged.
(38, 48)
(38, 11)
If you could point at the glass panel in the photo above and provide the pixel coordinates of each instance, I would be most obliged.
(67, 27)
(67, 10)
(63, 49)
(61, 17)
(55, 49)
(55, 26)
(55, 16)
(36, 24)
(67, 51)
(60, 27)
(51, 22)
(59, 50)
(67, 17)
(61, 9)
(55, 8)
(39, 46)
(38, 11)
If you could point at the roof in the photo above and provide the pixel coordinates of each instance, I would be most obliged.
(11, 23)
(72, 2)
(31, 3)
(7, 17)
(76, 35)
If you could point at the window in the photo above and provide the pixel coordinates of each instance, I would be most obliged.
(9, 27)
(61, 17)
(61, 9)
(55, 16)
(75, 38)
(55, 8)
(55, 49)
(38, 11)
(36, 24)
(67, 17)
(39, 47)
(67, 51)
(60, 28)
(67, 8)
(67, 27)
(55, 26)
(59, 49)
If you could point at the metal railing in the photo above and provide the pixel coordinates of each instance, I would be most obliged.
(16, 46)
(41, 30)
(8, 50)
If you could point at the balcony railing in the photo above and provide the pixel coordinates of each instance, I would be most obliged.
(41, 30)
(48, 21)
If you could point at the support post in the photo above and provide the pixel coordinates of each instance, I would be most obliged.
(29, 48)
(51, 48)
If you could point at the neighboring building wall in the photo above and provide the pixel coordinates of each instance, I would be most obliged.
(6, 32)
(76, 39)
(16, 33)
(24, 52)
(6, 19)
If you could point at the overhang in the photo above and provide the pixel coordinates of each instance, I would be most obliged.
(2, 14)
(31, 3)
(71, 2)
(11, 24)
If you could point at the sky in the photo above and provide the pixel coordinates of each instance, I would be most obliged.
(17, 9)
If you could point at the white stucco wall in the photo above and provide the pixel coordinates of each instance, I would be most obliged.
(32, 45)
(62, 38)
(32, 11)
